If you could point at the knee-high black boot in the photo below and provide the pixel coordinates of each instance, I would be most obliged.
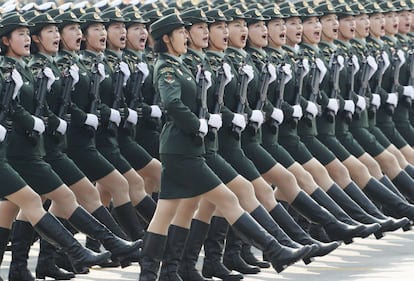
(362, 200)
(22, 239)
(55, 233)
(405, 185)
(324, 200)
(410, 170)
(385, 180)
(152, 253)
(124, 250)
(294, 231)
(173, 252)
(146, 208)
(335, 229)
(213, 249)
(232, 259)
(280, 256)
(250, 258)
(46, 266)
(187, 267)
(128, 220)
(354, 210)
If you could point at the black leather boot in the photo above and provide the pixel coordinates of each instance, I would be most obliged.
(294, 231)
(232, 259)
(4, 240)
(410, 170)
(250, 258)
(127, 218)
(354, 210)
(22, 239)
(405, 185)
(146, 208)
(55, 233)
(389, 223)
(390, 185)
(124, 250)
(172, 255)
(187, 267)
(280, 256)
(213, 252)
(335, 229)
(152, 253)
(324, 200)
(46, 266)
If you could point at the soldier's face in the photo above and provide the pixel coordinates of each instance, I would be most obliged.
(294, 30)
(391, 23)
(362, 24)
(277, 32)
(412, 19)
(95, 37)
(137, 36)
(48, 40)
(347, 27)
(219, 36)
(330, 27)
(238, 33)
(71, 37)
(404, 25)
(116, 36)
(19, 43)
(312, 30)
(177, 42)
(377, 25)
(258, 34)
(198, 35)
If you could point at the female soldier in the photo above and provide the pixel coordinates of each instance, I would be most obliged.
(182, 142)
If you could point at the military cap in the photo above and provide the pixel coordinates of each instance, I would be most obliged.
(218, 15)
(190, 3)
(220, 2)
(134, 17)
(301, 4)
(152, 16)
(359, 8)
(223, 7)
(273, 13)
(236, 13)
(177, 4)
(401, 5)
(91, 18)
(255, 16)
(67, 18)
(55, 12)
(410, 3)
(338, 2)
(93, 10)
(166, 25)
(387, 7)
(78, 11)
(102, 5)
(289, 9)
(148, 7)
(242, 6)
(344, 10)
(308, 12)
(41, 21)
(195, 15)
(130, 8)
(325, 8)
(170, 11)
(31, 14)
(12, 22)
(28, 7)
(113, 14)
(116, 3)
(271, 5)
(66, 6)
(373, 8)
(46, 6)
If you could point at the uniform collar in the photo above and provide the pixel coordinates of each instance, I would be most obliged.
(19, 62)
(241, 52)
(135, 53)
(172, 57)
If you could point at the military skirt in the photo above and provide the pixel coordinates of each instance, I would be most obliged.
(148, 136)
(351, 144)
(406, 130)
(380, 136)
(220, 167)
(368, 141)
(335, 146)
(392, 134)
(135, 154)
(185, 176)
(318, 149)
(296, 148)
(11, 180)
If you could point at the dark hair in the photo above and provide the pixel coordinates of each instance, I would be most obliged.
(83, 43)
(160, 46)
(33, 47)
(4, 48)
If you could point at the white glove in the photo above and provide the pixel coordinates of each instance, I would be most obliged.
(101, 71)
(203, 129)
(115, 116)
(349, 106)
(322, 68)
(132, 116)
(401, 56)
(3, 133)
(248, 70)
(392, 98)
(92, 120)
(143, 67)
(355, 63)
(18, 82)
(156, 111)
(361, 103)
(124, 68)
(297, 111)
(63, 126)
(272, 71)
(227, 73)
(287, 69)
(386, 60)
(312, 108)
(277, 115)
(215, 121)
(408, 91)
(373, 66)
(306, 66)
(38, 126)
(257, 116)
(333, 105)
(48, 72)
(239, 121)
(74, 73)
(376, 100)
(207, 75)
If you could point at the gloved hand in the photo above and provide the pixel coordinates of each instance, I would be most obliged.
(361, 103)
(207, 75)
(239, 121)
(386, 60)
(48, 72)
(408, 91)
(376, 100)
(306, 66)
(115, 116)
(257, 117)
(18, 82)
(401, 57)
(227, 72)
(156, 111)
(215, 121)
(132, 116)
(143, 67)
(38, 125)
(297, 111)
(277, 115)
(349, 106)
(101, 71)
(355, 63)
(92, 120)
(74, 73)
(333, 105)
(272, 71)
(312, 109)
(321, 67)
(248, 70)
(392, 98)
(373, 66)
(62, 127)
(203, 129)
(124, 68)
(3, 133)
(287, 69)
(339, 60)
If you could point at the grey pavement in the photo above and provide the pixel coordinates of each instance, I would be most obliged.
(391, 257)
